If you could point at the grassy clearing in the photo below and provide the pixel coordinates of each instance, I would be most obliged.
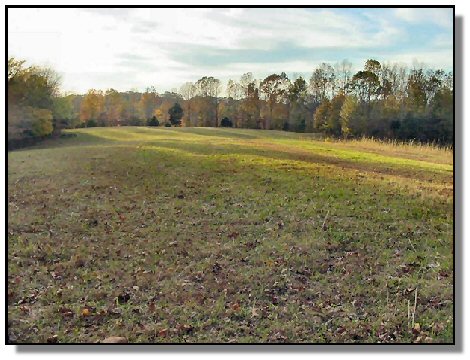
(228, 235)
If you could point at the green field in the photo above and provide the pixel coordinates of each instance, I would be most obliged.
(228, 235)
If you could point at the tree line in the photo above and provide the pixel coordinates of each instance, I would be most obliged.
(381, 100)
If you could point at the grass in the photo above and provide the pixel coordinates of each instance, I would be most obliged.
(228, 235)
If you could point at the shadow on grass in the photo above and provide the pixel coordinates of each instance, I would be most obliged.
(209, 149)
(214, 132)
(134, 134)
(196, 146)
(82, 139)
(91, 137)
(239, 133)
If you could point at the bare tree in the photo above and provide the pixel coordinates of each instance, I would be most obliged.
(210, 87)
(188, 91)
(343, 74)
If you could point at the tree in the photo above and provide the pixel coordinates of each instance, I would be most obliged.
(63, 112)
(246, 81)
(153, 121)
(166, 101)
(333, 124)
(434, 82)
(442, 109)
(373, 66)
(42, 85)
(31, 97)
(347, 113)
(113, 106)
(158, 114)
(250, 107)
(209, 87)
(31, 86)
(297, 91)
(92, 105)
(203, 108)
(148, 102)
(40, 121)
(235, 90)
(322, 82)
(274, 87)
(416, 91)
(188, 91)
(226, 122)
(176, 113)
(320, 118)
(17, 77)
(16, 69)
(343, 75)
(381, 100)
(247, 91)
(131, 108)
(366, 84)
(228, 108)
(216, 88)
(296, 96)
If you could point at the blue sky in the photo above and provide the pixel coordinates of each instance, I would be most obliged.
(135, 48)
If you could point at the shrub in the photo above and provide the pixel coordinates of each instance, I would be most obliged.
(91, 123)
(153, 121)
(176, 113)
(136, 122)
(226, 122)
(41, 122)
(167, 124)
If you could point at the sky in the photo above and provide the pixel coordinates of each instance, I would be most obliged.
(136, 48)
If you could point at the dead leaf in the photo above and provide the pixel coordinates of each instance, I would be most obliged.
(163, 332)
(235, 307)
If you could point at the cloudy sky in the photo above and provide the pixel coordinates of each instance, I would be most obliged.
(135, 48)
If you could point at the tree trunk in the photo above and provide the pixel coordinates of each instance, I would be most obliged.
(189, 112)
(216, 113)
(268, 124)
(288, 112)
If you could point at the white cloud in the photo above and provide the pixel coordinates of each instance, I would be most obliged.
(439, 16)
(439, 59)
(125, 48)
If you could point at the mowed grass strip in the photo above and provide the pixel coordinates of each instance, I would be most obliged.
(228, 235)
